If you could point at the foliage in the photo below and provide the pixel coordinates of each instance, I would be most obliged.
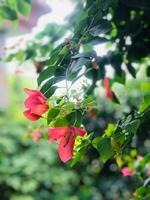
(11, 9)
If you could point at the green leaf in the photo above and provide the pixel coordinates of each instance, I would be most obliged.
(117, 141)
(103, 27)
(120, 79)
(52, 114)
(103, 146)
(45, 74)
(89, 54)
(75, 118)
(78, 64)
(148, 71)
(81, 146)
(79, 117)
(78, 155)
(10, 57)
(46, 86)
(115, 99)
(68, 106)
(64, 51)
(131, 126)
(30, 54)
(12, 4)
(61, 121)
(89, 101)
(7, 13)
(24, 7)
(145, 160)
(145, 86)
(110, 130)
(50, 91)
(132, 70)
(71, 117)
(20, 56)
(145, 103)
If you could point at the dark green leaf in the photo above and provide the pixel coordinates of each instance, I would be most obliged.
(103, 27)
(71, 118)
(46, 86)
(24, 7)
(131, 70)
(45, 74)
(52, 114)
(131, 126)
(115, 99)
(78, 64)
(103, 146)
(79, 117)
(7, 13)
(50, 91)
(148, 71)
(90, 54)
(75, 118)
(78, 155)
(61, 121)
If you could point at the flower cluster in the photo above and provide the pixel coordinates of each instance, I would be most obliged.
(37, 105)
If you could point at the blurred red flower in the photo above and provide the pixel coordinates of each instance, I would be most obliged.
(66, 140)
(126, 171)
(106, 84)
(36, 104)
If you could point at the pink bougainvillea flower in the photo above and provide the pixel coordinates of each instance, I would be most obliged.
(65, 137)
(109, 93)
(36, 135)
(36, 104)
(126, 171)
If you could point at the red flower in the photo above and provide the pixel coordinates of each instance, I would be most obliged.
(126, 171)
(66, 140)
(109, 93)
(36, 104)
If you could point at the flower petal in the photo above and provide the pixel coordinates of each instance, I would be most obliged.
(31, 116)
(39, 109)
(56, 133)
(78, 131)
(109, 94)
(31, 101)
(65, 147)
(34, 92)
